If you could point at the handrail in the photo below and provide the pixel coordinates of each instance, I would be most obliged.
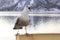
(31, 13)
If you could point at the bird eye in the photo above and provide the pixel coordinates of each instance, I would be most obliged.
(28, 7)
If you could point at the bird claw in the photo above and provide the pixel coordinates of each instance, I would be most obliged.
(17, 34)
(27, 34)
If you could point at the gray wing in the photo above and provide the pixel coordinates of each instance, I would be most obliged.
(17, 24)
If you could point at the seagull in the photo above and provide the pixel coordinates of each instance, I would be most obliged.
(23, 20)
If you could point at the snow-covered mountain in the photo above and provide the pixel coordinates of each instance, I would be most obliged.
(36, 5)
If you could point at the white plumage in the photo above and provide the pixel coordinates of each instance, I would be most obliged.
(23, 20)
(25, 13)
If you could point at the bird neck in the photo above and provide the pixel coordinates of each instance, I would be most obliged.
(26, 10)
(25, 13)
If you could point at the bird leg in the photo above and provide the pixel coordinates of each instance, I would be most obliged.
(26, 32)
(17, 32)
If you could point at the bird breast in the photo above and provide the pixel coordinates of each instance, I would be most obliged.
(23, 22)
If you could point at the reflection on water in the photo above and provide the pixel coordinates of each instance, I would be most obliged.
(44, 19)
(34, 19)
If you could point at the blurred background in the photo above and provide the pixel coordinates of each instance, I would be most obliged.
(38, 24)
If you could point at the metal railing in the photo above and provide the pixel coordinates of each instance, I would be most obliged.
(47, 13)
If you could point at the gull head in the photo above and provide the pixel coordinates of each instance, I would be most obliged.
(29, 7)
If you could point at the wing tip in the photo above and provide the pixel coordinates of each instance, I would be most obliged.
(17, 28)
